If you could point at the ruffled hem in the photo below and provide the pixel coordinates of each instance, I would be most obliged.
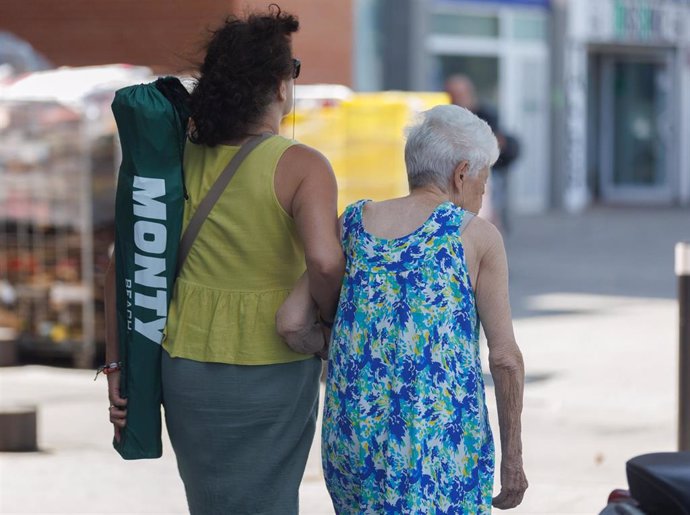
(223, 326)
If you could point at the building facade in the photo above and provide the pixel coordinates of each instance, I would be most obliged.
(169, 35)
(597, 91)
(503, 46)
(622, 120)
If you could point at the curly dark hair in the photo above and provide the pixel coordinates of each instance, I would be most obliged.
(246, 59)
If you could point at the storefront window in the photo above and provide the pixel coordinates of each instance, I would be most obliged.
(468, 25)
(529, 27)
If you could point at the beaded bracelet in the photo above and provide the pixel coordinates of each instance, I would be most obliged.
(109, 368)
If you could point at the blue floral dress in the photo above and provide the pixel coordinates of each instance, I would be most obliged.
(405, 426)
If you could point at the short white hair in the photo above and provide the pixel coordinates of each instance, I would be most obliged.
(445, 136)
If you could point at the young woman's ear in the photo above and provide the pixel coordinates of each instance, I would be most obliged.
(282, 91)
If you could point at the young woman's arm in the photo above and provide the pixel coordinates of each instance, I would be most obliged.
(306, 187)
(118, 405)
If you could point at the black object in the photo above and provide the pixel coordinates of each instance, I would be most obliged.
(510, 148)
(660, 482)
(683, 273)
(178, 96)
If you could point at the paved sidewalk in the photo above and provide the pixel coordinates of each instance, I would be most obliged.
(595, 315)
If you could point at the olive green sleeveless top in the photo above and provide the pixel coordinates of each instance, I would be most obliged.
(242, 266)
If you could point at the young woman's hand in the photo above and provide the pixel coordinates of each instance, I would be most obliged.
(118, 405)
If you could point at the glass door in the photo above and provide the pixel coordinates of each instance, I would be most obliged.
(636, 119)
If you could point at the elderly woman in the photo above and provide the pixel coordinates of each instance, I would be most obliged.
(405, 427)
(240, 405)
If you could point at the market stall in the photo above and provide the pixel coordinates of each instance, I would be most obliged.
(58, 162)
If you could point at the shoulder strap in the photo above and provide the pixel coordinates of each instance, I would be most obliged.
(212, 197)
(346, 221)
(467, 217)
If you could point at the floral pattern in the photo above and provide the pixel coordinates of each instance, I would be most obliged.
(405, 426)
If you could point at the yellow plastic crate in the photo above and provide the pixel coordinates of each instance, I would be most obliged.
(363, 138)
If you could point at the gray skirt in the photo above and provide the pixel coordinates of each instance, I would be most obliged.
(241, 434)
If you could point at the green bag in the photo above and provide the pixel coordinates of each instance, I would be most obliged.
(152, 122)
(149, 252)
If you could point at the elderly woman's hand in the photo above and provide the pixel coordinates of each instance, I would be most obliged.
(118, 405)
(513, 484)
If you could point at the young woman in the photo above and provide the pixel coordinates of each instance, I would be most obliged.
(240, 405)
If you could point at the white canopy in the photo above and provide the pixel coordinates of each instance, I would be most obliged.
(72, 85)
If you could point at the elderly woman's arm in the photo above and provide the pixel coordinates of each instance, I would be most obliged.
(297, 319)
(505, 363)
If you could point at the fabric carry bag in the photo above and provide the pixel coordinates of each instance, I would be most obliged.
(149, 206)
(152, 120)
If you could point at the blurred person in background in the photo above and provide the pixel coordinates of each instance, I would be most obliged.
(463, 93)
(240, 405)
(405, 426)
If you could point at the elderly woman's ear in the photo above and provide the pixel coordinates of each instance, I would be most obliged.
(459, 174)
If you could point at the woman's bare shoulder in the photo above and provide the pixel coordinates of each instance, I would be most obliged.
(304, 157)
(483, 236)
(302, 168)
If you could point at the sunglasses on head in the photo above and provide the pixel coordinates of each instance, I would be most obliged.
(296, 67)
